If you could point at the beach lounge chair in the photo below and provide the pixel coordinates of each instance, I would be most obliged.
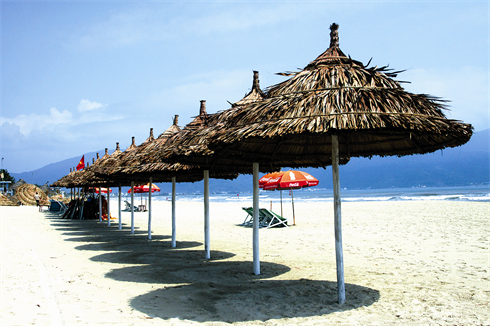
(267, 218)
(54, 206)
(128, 207)
(249, 218)
(272, 219)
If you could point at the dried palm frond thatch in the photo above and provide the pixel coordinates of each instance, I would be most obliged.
(139, 163)
(5, 201)
(150, 163)
(66, 181)
(191, 145)
(87, 177)
(26, 192)
(369, 111)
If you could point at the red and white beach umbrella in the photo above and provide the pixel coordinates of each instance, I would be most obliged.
(144, 188)
(287, 180)
(103, 190)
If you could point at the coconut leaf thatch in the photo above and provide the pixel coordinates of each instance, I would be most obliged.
(191, 146)
(150, 163)
(334, 94)
(5, 201)
(67, 180)
(87, 177)
(138, 164)
(25, 194)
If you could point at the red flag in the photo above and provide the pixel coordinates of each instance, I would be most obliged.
(81, 164)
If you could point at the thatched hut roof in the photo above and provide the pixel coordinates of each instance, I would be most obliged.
(127, 165)
(148, 163)
(369, 111)
(191, 145)
(25, 194)
(89, 176)
(63, 182)
(5, 201)
(17, 184)
(48, 190)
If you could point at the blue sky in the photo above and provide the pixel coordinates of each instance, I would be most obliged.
(77, 76)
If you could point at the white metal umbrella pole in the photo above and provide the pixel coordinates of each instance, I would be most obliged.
(256, 256)
(120, 221)
(174, 227)
(207, 250)
(100, 204)
(108, 206)
(149, 209)
(337, 216)
(132, 207)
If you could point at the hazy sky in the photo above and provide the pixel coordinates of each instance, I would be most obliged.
(79, 76)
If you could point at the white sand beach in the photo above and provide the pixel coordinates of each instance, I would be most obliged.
(406, 263)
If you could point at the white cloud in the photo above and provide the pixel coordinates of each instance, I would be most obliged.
(58, 120)
(86, 105)
(30, 122)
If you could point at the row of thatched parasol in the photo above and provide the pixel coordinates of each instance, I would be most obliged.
(333, 109)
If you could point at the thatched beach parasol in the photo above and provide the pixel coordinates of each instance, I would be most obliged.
(5, 201)
(25, 194)
(191, 146)
(334, 109)
(155, 165)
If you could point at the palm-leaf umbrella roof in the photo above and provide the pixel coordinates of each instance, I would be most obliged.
(153, 164)
(88, 176)
(191, 145)
(67, 180)
(334, 94)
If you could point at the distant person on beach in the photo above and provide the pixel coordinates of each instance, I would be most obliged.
(36, 197)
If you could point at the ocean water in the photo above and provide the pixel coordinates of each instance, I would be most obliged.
(470, 193)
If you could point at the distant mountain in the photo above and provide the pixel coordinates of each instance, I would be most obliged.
(465, 165)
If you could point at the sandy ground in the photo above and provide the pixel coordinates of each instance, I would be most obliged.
(406, 263)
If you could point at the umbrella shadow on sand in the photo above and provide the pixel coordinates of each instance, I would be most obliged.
(223, 290)
(197, 289)
(241, 301)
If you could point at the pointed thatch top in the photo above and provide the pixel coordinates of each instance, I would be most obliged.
(202, 110)
(254, 95)
(201, 120)
(190, 146)
(106, 155)
(150, 137)
(133, 144)
(172, 130)
(333, 54)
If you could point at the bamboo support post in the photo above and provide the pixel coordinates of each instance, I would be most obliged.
(256, 255)
(338, 220)
(207, 250)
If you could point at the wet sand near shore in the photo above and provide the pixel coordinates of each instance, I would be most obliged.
(406, 263)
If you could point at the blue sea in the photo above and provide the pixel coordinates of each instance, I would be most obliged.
(479, 193)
